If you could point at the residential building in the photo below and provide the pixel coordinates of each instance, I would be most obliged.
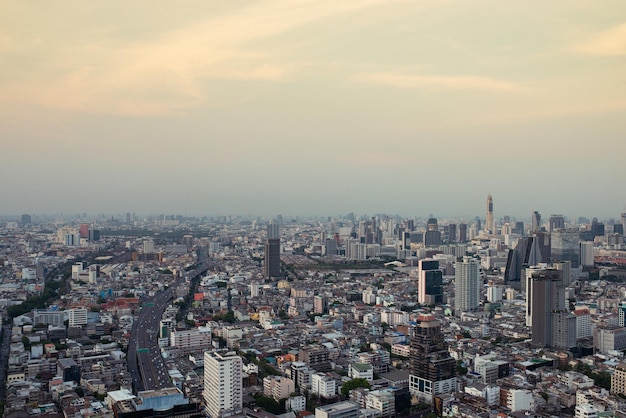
(222, 393)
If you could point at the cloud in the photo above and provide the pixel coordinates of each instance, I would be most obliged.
(611, 42)
(172, 71)
(414, 81)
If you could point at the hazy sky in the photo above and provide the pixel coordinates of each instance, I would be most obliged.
(313, 107)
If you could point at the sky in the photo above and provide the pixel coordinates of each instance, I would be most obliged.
(313, 107)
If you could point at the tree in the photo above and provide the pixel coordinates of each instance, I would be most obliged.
(354, 384)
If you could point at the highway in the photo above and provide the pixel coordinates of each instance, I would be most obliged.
(145, 362)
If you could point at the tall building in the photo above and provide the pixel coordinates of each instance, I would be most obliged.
(467, 285)
(525, 253)
(535, 222)
(26, 219)
(432, 236)
(433, 371)
(586, 254)
(564, 246)
(551, 323)
(272, 250)
(556, 222)
(429, 282)
(452, 233)
(489, 221)
(623, 217)
(462, 232)
(83, 231)
(223, 394)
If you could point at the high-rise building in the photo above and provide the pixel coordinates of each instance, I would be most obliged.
(83, 231)
(26, 219)
(452, 233)
(586, 254)
(433, 371)
(272, 250)
(462, 232)
(557, 222)
(551, 323)
(223, 394)
(525, 253)
(564, 246)
(535, 222)
(432, 236)
(320, 304)
(429, 282)
(490, 225)
(467, 285)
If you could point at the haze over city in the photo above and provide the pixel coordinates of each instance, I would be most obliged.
(313, 107)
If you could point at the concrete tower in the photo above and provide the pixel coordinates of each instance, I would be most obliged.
(467, 285)
(490, 225)
(223, 393)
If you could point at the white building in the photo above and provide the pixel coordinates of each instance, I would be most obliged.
(519, 400)
(323, 385)
(382, 401)
(222, 392)
(586, 411)
(583, 323)
(197, 338)
(296, 404)
(361, 371)
(77, 317)
(278, 387)
(467, 285)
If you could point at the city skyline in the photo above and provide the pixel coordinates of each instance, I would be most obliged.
(314, 107)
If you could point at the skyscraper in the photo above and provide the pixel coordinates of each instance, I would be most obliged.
(26, 219)
(557, 222)
(433, 371)
(452, 233)
(552, 325)
(564, 246)
(223, 394)
(272, 250)
(462, 232)
(490, 225)
(432, 236)
(535, 222)
(467, 285)
(429, 282)
(525, 253)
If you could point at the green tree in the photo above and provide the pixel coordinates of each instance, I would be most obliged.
(354, 384)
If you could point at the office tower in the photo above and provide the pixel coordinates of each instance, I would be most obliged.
(433, 371)
(223, 395)
(26, 219)
(518, 228)
(83, 231)
(462, 232)
(535, 222)
(452, 233)
(556, 222)
(586, 254)
(597, 228)
(525, 253)
(331, 246)
(565, 267)
(128, 217)
(618, 229)
(320, 304)
(94, 235)
(564, 246)
(467, 285)
(429, 282)
(489, 220)
(623, 218)
(272, 251)
(552, 325)
(432, 236)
